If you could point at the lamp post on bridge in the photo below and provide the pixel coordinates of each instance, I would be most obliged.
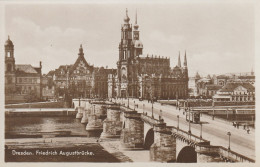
(152, 108)
(229, 134)
(213, 107)
(160, 116)
(189, 117)
(178, 117)
(143, 108)
(200, 130)
(94, 108)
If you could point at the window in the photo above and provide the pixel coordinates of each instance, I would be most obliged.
(8, 54)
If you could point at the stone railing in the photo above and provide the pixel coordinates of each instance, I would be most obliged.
(189, 136)
(150, 120)
(224, 153)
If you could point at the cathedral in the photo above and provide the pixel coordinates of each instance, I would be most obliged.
(148, 77)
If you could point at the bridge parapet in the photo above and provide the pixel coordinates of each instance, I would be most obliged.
(233, 156)
(152, 121)
(190, 138)
(208, 152)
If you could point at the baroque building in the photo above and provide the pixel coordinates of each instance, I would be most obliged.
(75, 79)
(81, 79)
(22, 81)
(147, 76)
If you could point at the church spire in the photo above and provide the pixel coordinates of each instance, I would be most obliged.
(136, 26)
(136, 17)
(179, 60)
(185, 60)
(126, 19)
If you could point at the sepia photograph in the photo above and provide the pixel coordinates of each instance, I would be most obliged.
(128, 82)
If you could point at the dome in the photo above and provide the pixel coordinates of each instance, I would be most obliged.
(126, 19)
(136, 26)
(9, 42)
(138, 44)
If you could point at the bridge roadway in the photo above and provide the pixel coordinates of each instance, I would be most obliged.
(213, 130)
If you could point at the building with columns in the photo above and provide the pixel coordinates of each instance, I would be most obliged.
(147, 76)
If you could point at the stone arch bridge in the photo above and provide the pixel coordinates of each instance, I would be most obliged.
(139, 131)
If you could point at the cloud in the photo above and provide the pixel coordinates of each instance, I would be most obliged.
(51, 45)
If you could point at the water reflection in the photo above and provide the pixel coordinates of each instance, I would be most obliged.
(15, 126)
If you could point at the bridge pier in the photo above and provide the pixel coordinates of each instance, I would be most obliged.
(79, 114)
(132, 135)
(86, 112)
(164, 147)
(95, 118)
(112, 125)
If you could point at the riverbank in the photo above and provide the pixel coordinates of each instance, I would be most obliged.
(63, 149)
(69, 149)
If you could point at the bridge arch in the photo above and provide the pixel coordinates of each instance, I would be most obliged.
(149, 139)
(187, 155)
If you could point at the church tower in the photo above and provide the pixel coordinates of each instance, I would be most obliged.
(138, 46)
(126, 58)
(186, 76)
(9, 66)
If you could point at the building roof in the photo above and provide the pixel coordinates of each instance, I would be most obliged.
(222, 77)
(8, 42)
(247, 77)
(230, 87)
(27, 68)
(213, 87)
(64, 68)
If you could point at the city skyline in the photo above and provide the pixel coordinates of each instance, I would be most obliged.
(211, 44)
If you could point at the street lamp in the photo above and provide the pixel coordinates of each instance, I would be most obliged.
(229, 134)
(160, 116)
(94, 109)
(127, 101)
(143, 108)
(152, 108)
(178, 122)
(189, 118)
(201, 130)
(134, 105)
(213, 105)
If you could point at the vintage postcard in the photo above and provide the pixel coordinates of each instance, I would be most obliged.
(128, 82)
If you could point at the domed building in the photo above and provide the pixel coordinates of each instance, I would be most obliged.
(22, 81)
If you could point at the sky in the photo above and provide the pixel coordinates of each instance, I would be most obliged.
(218, 37)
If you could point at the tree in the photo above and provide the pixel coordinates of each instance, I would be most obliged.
(31, 97)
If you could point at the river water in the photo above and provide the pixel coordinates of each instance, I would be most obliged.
(17, 127)
(20, 129)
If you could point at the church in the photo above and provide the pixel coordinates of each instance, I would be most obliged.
(148, 77)
(22, 81)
